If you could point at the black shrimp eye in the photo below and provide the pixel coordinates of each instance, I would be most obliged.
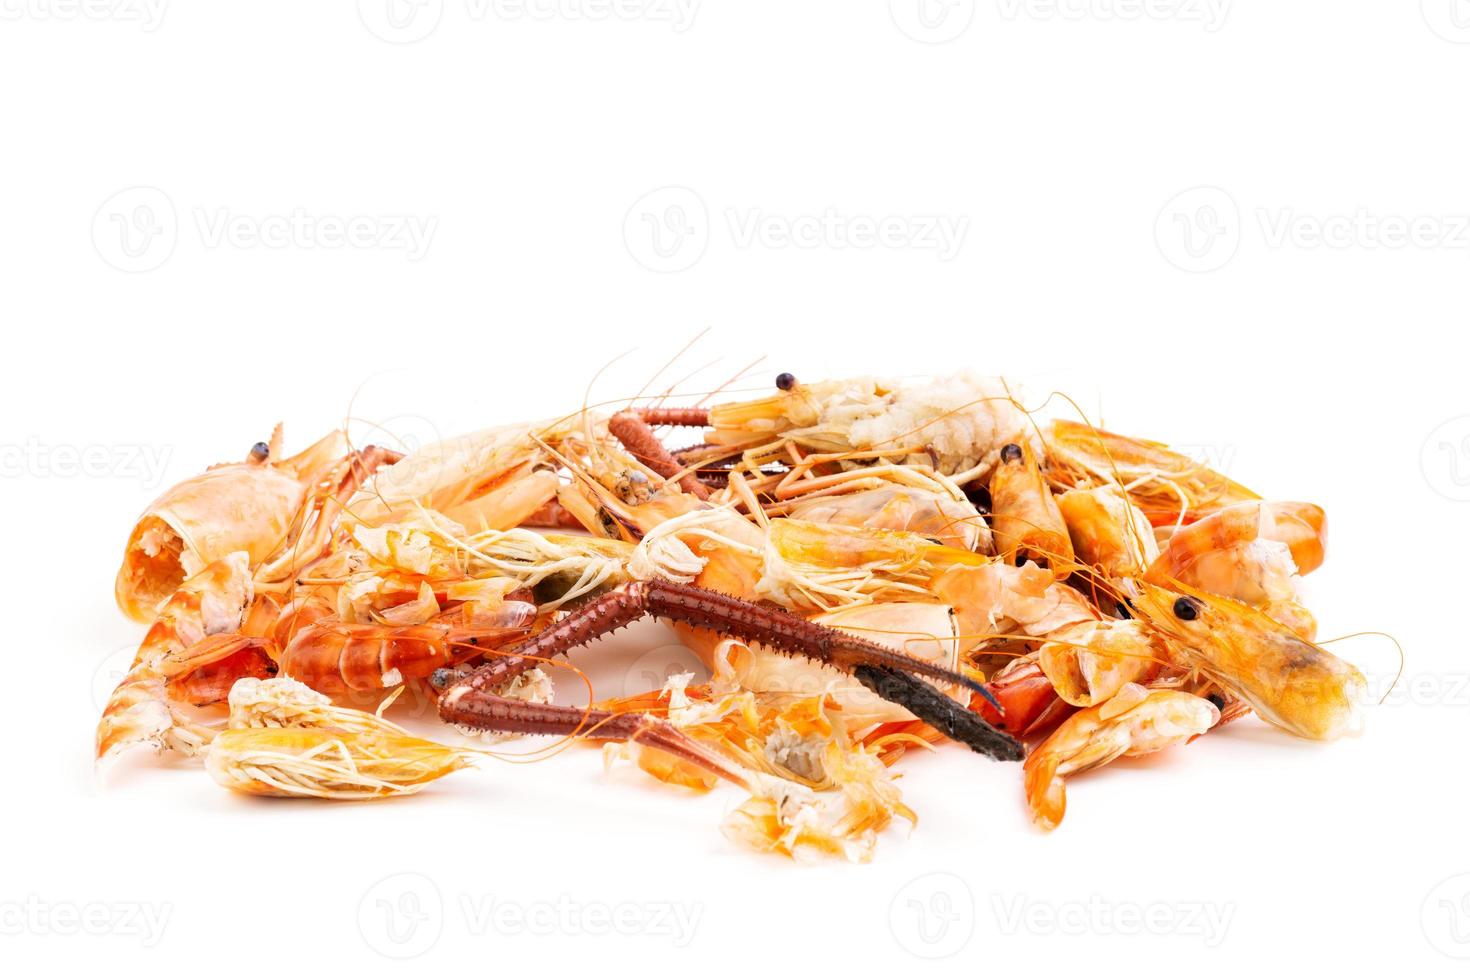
(260, 450)
(1010, 453)
(785, 381)
(979, 496)
(1217, 701)
(1186, 608)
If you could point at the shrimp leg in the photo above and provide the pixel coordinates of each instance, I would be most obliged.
(480, 710)
(892, 675)
(636, 435)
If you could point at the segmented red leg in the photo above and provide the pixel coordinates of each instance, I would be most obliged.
(320, 523)
(715, 479)
(890, 674)
(712, 468)
(470, 708)
(703, 608)
(634, 433)
(690, 418)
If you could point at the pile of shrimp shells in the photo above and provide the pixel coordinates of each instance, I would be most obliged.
(1077, 594)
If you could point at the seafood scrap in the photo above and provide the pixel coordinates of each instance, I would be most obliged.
(866, 567)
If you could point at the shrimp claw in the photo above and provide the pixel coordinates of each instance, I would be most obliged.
(748, 621)
(706, 609)
(942, 713)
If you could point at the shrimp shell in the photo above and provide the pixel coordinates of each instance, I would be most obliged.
(957, 423)
(1108, 532)
(328, 764)
(1025, 518)
(334, 657)
(1291, 683)
(952, 521)
(466, 478)
(1251, 551)
(140, 711)
(245, 507)
(1167, 486)
(1091, 662)
(1136, 721)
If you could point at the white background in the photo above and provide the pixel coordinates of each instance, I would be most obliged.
(1060, 140)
